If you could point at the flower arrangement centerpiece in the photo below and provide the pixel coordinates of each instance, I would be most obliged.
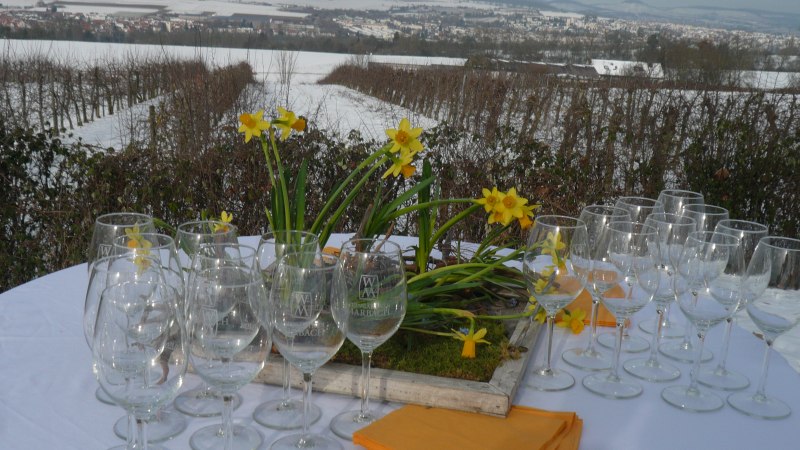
(453, 294)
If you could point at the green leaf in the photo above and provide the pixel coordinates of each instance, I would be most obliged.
(300, 196)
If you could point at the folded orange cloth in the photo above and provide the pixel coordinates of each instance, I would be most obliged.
(420, 427)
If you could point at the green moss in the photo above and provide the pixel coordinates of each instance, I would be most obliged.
(436, 355)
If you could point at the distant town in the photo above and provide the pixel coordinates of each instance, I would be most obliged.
(516, 33)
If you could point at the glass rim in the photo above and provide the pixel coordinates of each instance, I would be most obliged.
(589, 209)
(236, 245)
(757, 227)
(169, 240)
(102, 219)
(547, 220)
(329, 257)
(119, 256)
(703, 237)
(672, 192)
(678, 219)
(263, 237)
(137, 281)
(352, 249)
(641, 227)
(768, 241)
(183, 227)
(708, 209)
(642, 201)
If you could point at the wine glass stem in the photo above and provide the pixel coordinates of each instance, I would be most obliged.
(551, 320)
(227, 421)
(366, 364)
(701, 339)
(726, 340)
(286, 387)
(614, 374)
(132, 431)
(307, 383)
(762, 380)
(657, 334)
(593, 324)
(141, 433)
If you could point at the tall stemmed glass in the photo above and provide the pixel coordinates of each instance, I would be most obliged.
(596, 218)
(749, 233)
(374, 275)
(774, 289)
(639, 208)
(708, 288)
(113, 225)
(632, 276)
(310, 324)
(672, 231)
(201, 401)
(161, 247)
(228, 344)
(706, 217)
(554, 282)
(284, 413)
(672, 201)
(138, 350)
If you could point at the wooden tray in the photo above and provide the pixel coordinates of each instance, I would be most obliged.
(493, 397)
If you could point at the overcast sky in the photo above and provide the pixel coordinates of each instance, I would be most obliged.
(788, 6)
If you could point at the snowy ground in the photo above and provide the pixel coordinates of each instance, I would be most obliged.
(328, 107)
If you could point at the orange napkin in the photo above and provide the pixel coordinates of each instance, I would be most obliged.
(416, 427)
(604, 316)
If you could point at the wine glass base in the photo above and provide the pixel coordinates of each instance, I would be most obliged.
(652, 370)
(630, 344)
(285, 414)
(586, 360)
(166, 425)
(604, 385)
(211, 438)
(670, 330)
(149, 447)
(543, 379)
(683, 397)
(103, 397)
(679, 351)
(348, 422)
(203, 402)
(315, 441)
(722, 379)
(755, 405)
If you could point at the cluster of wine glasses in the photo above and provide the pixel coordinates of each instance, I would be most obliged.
(157, 307)
(675, 249)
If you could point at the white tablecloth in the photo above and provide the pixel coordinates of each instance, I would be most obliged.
(47, 388)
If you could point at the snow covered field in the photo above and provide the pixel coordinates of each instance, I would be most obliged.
(329, 107)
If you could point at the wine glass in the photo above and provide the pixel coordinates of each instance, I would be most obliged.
(554, 282)
(706, 217)
(310, 324)
(672, 231)
(284, 413)
(773, 286)
(672, 201)
(596, 218)
(628, 277)
(639, 208)
(108, 227)
(201, 401)
(708, 289)
(138, 350)
(373, 272)
(228, 344)
(749, 233)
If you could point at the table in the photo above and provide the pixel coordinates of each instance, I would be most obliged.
(47, 387)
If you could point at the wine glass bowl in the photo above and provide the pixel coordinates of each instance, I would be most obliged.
(108, 227)
(373, 272)
(552, 278)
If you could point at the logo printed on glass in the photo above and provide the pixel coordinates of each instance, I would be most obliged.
(302, 303)
(368, 287)
(103, 250)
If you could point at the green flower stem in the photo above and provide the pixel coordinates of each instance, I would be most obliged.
(335, 195)
(271, 176)
(285, 193)
(454, 220)
(446, 270)
(418, 206)
(424, 331)
(498, 262)
(326, 231)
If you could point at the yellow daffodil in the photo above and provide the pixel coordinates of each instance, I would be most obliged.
(490, 199)
(511, 206)
(525, 221)
(471, 339)
(552, 245)
(572, 320)
(287, 122)
(541, 314)
(544, 284)
(405, 138)
(225, 218)
(252, 125)
(136, 241)
(495, 217)
(401, 165)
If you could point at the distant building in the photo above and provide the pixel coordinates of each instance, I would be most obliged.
(613, 68)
